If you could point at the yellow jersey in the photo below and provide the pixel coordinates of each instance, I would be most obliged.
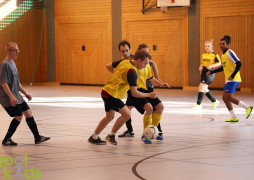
(143, 75)
(229, 59)
(118, 84)
(210, 59)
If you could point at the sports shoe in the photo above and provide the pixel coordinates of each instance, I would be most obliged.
(9, 142)
(126, 134)
(111, 139)
(146, 140)
(41, 139)
(197, 106)
(232, 119)
(248, 111)
(215, 104)
(96, 141)
(159, 137)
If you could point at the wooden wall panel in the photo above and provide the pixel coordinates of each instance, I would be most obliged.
(166, 30)
(234, 19)
(83, 23)
(26, 32)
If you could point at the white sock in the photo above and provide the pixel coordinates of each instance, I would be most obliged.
(95, 136)
(242, 104)
(232, 113)
(111, 134)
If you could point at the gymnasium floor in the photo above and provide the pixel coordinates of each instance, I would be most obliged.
(198, 145)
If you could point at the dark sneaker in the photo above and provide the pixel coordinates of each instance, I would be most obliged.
(159, 137)
(96, 141)
(41, 139)
(9, 142)
(126, 134)
(111, 139)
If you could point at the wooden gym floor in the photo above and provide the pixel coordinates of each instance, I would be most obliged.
(197, 145)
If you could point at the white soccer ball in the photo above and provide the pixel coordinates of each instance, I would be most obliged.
(151, 132)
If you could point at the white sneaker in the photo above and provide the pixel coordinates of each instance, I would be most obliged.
(197, 106)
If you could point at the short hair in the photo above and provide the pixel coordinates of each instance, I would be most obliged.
(123, 43)
(227, 39)
(141, 46)
(210, 41)
(142, 55)
(10, 44)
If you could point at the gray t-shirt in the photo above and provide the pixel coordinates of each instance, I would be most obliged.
(9, 74)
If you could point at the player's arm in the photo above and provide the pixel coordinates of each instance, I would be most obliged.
(216, 64)
(155, 70)
(160, 83)
(110, 66)
(4, 80)
(7, 90)
(21, 89)
(132, 80)
(215, 71)
(234, 59)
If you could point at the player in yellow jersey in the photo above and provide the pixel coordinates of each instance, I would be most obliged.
(209, 61)
(231, 66)
(149, 85)
(123, 78)
(152, 108)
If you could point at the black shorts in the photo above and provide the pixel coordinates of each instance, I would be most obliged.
(17, 110)
(111, 103)
(206, 79)
(139, 103)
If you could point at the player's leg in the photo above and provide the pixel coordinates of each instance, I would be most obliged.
(32, 124)
(201, 89)
(125, 116)
(15, 112)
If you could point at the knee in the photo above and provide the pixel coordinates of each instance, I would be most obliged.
(148, 108)
(28, 113)
(18, 118)
(110, 117)
(160, 107)
(226, 98)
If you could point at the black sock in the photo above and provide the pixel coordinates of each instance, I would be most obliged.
(200, 97)
(159, 127)
(128, 125)
(12, 128)
(210, 96)
(33, 127)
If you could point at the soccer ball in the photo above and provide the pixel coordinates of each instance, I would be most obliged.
(151, 132)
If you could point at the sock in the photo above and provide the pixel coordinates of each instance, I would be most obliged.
(232, 113)
(12, 128)
(95, 136)
(147, 120)
(200, 97)
(243, 105)
(156, 119)
(129, 126)
(111, 134)
(159, 127)
(33, 127)
(210, 96)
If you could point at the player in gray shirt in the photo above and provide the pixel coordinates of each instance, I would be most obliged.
(12, 101)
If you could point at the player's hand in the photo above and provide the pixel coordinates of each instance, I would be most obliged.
(29, 97)
(209, 67)
(153, 95)
(13, 101)
(200, 68)
(165, 85)
(208, 73)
